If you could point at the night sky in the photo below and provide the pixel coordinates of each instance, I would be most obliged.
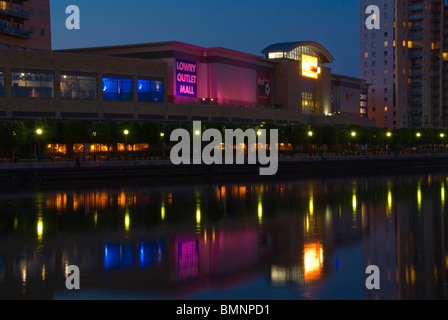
(242, 25)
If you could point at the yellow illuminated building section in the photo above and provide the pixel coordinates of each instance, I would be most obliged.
(310, 66)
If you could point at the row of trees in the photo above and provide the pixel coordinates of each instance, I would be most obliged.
(17, 135)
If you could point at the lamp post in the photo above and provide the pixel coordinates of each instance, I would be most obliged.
(94, 145)
(418, 135)
(310, 136)
(39, 133)
(162, 137)
(353, 134)
(388, 135)
(442, 136)
(126, 133)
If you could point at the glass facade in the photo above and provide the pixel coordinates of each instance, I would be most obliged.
(150, 90)
(2, 84)
(117, 89)
(84, 87)
(32, 84)
(307, 103)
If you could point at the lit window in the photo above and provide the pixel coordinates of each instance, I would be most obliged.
(307, 102)
(117, 89)
(32, 84)
(150, 90)
(275, 55)
(84, 87)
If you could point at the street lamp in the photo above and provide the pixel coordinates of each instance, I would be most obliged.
(310, 133)
(39, 133)
(353, 134)
(162, 137)
(442, 136)
(126, 133)
(419, 135)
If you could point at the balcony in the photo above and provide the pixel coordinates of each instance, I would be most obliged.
(14, 32)
(16, 13)
(414, 92)
(415, 111)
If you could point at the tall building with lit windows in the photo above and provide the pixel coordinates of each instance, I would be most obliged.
(25, 24)
(422, 63)
(408, 68)
(377, 62)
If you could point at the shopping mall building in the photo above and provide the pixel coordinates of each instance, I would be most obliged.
(173, 81)
(168, 81)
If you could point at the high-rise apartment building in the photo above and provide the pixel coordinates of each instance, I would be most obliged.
(25, 24)
(377, 62)
(415, 49)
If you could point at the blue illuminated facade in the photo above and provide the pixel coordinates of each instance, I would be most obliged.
(150, 90)
(117, 89)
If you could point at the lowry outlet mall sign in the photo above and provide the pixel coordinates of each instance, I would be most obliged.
(186, 78)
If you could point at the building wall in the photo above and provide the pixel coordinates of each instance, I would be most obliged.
(37, 25)
(17, 107)
(58, 107)
(347, 93)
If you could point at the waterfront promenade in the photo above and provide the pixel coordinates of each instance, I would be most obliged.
(25, 172)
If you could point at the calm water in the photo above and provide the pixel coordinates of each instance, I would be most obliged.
(306, 239)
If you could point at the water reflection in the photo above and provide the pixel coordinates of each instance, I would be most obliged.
(300, 239)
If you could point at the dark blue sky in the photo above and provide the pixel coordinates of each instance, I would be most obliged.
(243, 25)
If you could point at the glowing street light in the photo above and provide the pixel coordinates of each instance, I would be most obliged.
(197, 132)
(259, 133)
(126, 133)
(442, 135)
(418, 134)
(353, 134)
(162, 134)
(389, 134)
(39, 132)
(310, 133)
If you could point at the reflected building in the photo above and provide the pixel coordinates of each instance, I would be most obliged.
(181, 241)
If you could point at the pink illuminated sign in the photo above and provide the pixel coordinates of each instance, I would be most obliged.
(186, 78)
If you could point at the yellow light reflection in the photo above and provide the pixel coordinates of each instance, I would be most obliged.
(162, 211)
(44, 271)
(127, 221)
(311, 206)
(419, 196)
(40, 229)
(198, 215)
(442, 194)
(389, 202)
(354, 203)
